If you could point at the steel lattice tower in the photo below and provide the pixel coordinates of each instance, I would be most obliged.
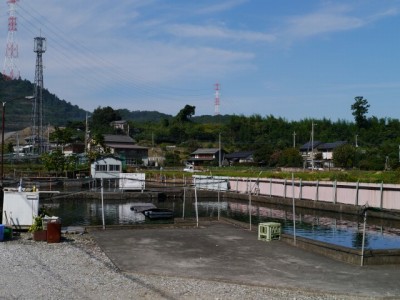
(216, 105)
(10, 69)
(37, 107)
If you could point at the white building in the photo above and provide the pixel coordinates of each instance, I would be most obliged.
(106, 167)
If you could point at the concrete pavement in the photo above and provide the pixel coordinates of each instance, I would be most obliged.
(223, 252)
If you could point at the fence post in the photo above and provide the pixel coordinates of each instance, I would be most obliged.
(357, 188)
(316, 191)
(270, 187)
(284, 189)
(237, 185)
(381, 200)
(301, 189)
(334, 192)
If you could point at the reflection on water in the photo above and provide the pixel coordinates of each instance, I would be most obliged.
(334, 228)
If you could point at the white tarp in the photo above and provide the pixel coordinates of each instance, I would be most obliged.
(132, 181)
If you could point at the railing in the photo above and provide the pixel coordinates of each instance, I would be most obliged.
(384, 196)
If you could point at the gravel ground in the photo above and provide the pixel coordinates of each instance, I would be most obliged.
(77, 268)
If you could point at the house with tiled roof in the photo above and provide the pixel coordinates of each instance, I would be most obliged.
(206, 156)
(125, 148)
(320, 154)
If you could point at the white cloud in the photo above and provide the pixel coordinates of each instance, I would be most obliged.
(320, 23)
(221, 6)
(331, 19)
(193, 31)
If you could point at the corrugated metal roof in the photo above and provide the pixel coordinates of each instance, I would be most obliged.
(125, 146)
(114, 138)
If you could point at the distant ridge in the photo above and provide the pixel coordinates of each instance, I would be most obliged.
(59, 112)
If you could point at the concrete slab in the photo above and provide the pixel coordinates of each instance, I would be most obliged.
(223, 252)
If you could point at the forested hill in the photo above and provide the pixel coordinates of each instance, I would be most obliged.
(59, 112)
(18, 113)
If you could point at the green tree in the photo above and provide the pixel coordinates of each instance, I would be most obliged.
(360, 109)
(101, 119)
(10, 148)
(185, 114)
(344, 156)
(172, 159)
(290, 157)
(61, 136)
(54, 161)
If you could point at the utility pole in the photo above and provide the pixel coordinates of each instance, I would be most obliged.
(86, 134)
(294, 139)
(312, 145)
(220, 154)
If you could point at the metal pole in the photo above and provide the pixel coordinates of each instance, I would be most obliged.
(294, 212)
(312, 146)
(357, 188)
(363, 239)
(102, 205)
(197, 210)
(270, 187)
(219, 205)
(184, 201)
(250, 210)
(294, 139)
(220, 154)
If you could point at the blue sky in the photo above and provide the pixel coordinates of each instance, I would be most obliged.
(288, 58)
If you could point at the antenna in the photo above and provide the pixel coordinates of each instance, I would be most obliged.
(216, 105)
(10, 69)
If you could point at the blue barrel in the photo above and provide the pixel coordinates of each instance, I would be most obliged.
(1, 232)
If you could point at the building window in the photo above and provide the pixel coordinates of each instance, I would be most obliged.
(114, 168)
(101, 168)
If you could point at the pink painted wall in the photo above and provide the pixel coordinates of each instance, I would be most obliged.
(346, 193)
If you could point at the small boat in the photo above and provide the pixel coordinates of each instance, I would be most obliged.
(158, 213)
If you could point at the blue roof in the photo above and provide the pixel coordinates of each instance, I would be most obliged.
(331, 146)
(241, 154)
(307, 146)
